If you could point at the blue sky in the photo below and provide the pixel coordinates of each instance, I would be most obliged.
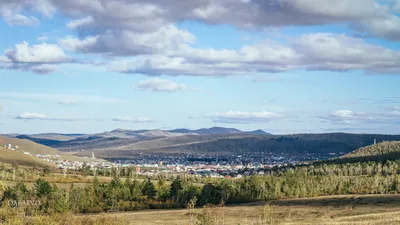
(301, 66)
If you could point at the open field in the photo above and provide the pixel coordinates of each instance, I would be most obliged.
(350, 209)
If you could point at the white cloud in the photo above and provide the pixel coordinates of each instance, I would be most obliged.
(160, 85)
(347, 117)
(16, 19)
(67, 102)
(11, 11)
(41, 58)
(396, 6)
(111, 28)
(41, 53)
(238, 117)
(74, 44)
(39, 116)
(43, 68)
(127, 119)
(80, 22)
(100, 16)
(308, 51)
(126, 42)
(392, 112)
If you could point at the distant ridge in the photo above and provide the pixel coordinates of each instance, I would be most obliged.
(217, 130)
(258, 132)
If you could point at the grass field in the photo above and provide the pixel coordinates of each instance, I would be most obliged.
(369, 209)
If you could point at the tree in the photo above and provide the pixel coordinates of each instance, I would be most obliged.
(46, 170)
(148, 189)
(176, 186)
(42, 187)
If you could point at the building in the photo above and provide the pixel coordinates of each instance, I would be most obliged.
(138, 169)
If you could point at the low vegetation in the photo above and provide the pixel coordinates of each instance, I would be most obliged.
(125, 192)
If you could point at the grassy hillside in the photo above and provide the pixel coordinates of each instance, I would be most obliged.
(27, 146)
(35, 148)
(9, 157)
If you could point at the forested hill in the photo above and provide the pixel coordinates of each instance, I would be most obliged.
(383, 149)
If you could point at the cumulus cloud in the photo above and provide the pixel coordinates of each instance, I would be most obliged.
(238, 117)
(39, 116)
(41, 58)
(160, 85)
(308, 51)
(160, 47)
(41, 53)
(80, 22)
(348, 117)
(127, 119)
(16, 19)
(126, 42)
(11, 11)
(101, 30)
(100, 16)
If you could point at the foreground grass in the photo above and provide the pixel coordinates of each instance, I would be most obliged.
(369, 209)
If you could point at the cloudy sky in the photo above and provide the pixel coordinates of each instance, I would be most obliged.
(284, 66)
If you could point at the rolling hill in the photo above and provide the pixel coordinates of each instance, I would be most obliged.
(217, 130)
(33, 148)
(9, 157)
(28, 146)
(222, 141)
(385, 149)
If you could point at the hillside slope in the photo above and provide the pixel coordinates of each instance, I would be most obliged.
(34, 148)
(27, 146)
(323, 144)
(380, 149)
(124, 143)
(9, 157)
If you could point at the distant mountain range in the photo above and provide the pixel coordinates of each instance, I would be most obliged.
(216, 140)
(217, 130)
(51, 138)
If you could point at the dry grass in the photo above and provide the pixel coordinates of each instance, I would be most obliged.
(346, 210)
(8, 157)
(28, 146)
(35, 148)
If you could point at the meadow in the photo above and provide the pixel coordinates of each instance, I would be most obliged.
(343, 209)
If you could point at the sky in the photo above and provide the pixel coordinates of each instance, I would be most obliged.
(283, 66)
